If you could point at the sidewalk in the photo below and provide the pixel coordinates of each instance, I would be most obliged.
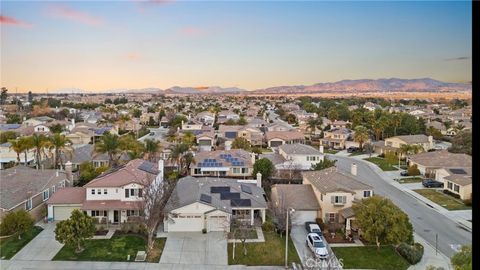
(460, 217)
(430, 257)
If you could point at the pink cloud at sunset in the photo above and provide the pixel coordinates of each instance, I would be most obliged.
(64, 12)
(133, 56)
(191, 31)
(12, 21)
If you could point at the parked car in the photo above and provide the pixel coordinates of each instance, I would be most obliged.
(352, 149)
(404, 173)
(317, 246)
(313, 227)
(430, 183)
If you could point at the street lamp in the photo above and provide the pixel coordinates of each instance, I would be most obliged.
(289, 210)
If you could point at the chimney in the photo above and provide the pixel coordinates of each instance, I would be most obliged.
(160, 168)
(353, 170)
(228, 145)
(321, 148)
(68, 171)
(259, 179)
(56, 173)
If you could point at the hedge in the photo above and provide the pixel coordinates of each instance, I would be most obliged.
(413, 254)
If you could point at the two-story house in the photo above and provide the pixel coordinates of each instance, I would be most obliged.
(294, 157)
(336, 138)
(395, 143)
(277, 138)
(114, 197)
(226, 163)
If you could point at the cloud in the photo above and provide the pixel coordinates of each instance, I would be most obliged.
(191, 31)
(458, 58)
(12, 21)
(134, 56)
(64, 12)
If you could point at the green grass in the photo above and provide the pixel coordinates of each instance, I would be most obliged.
(11, 245)
(271, 252)
(358, 153)
(368, 257)
(382, 163)
(251, 234)
(408, 180)
(330, 151)
(444, 200)
(115, 249)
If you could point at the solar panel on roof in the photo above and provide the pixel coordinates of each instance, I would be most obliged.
(219, 189)
(458, 171)
(148, 167)
(240, 202)
(205, 198)
(229, 195)
(246, 189)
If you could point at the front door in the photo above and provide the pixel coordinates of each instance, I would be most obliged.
(115, 216)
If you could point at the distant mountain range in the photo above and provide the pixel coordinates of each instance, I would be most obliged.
(344, 86)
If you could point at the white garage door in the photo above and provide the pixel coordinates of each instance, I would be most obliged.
(300, 217)
(192, 223)
(218, 223)
(63, 212)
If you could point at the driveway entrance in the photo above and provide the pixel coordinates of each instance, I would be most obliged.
(195, 248)
(43, 247)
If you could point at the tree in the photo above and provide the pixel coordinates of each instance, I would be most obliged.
(369, 148)
(323, 164)
(177, 155)
(3, 96)
(17, 147)
(13, 118)
(27, 144)
(361, 135)
(413, 170)
(263, 166)
(382, 222)
(39, 143)
(60, 145)
(17, 222)
(396, 120)
(241, 143)
(332, 114)
(462, 142)
(462, 260)
(89, 172)
(435, 133)
(152, 147)
(109, 144)
(188, 138)
(57, 128)
(73, 231)
(242, 121)
(240, 229)
(6, 136)
(313, 123)
(291, 118)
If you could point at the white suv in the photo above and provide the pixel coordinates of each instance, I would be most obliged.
(317, 246)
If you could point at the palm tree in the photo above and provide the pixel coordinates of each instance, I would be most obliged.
(39, 143)
(361, 135)
(27, 144)
(17, 146)
(109, 144)
(409, 149)
(60, 144)
(396, 121)
(313, 123)
(151, 149)
(188, 138)
(189, 159)
(178, 151)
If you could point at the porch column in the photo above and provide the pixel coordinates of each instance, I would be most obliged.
(251, 217)
(263, 215)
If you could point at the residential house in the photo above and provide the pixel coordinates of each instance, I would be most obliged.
(277, 138)
(211, 204)
(8, 156)
(225, 163)
(294, 157)
(206, 141)
(457, 181)
(114, 197)
(337, 138)
(145, 118)
(395, 143)
(224, 116)
(206, 117)
(429, 162)
(24, 188)
(299, 197)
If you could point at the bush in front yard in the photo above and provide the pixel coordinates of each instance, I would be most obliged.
(413, 254)
(413, 170)
(320, 223)
(268, 226)
(448, 192)
(16, 222)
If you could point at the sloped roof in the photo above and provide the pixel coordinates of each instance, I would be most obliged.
(299, 197)
(331, 180)
(68, 195)
(442, 159)
(299, 149)
(129, 173)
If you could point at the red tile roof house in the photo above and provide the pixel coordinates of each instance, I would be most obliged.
(115, 196)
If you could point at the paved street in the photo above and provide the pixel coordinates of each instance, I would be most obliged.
(43, 247)
(426, 221)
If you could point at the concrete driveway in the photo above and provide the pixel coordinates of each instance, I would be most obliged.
(42, 248)
(195, 248)
(298, 236)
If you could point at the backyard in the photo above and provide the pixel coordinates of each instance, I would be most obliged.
(382, 163)
(11, 245)
(115, 249)
(270, 252)
(369, 257)
(444, 200)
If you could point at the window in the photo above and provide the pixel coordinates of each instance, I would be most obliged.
(93, 191)
(105, 191)
(99, 191)
(132, 192)
(140, 192)
(321, 197)
(46, 194)
(456, 188)
(367, 193)
(236, 170)
(450, 185)
(53, 189)
(331, 217)
(28, 204)
(197, 171)
(132, 213)
(339, 199)
(97, 213)
(127, 193)
(244, 170)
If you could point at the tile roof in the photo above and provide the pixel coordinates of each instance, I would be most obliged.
(419, 138)
(68, 195)
(284, 135)
(462, 180)
(442, 159)
(330, 180)
(299, 149)
(299, 197)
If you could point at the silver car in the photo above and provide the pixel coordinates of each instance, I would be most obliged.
(317, 246)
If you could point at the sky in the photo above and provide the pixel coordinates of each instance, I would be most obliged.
(106, 45)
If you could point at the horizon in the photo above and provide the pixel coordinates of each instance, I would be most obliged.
(249, 45)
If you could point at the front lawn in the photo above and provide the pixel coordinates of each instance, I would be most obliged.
(330, 151)
(382, 163)
(270, 252)
(408, 180)
(11, 245)
(444, 200)
(369, 257)
(115, 249)
(357, 153)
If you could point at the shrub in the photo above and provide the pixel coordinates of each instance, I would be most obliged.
(448, 192)
(268, 226)
(468, 202)
(413, 170)
(413, 254)
(16, 223)
(320, 223)
(204, 230)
